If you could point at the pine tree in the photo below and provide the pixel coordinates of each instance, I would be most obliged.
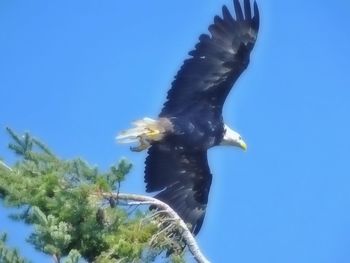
(73, 219)
(9, 255)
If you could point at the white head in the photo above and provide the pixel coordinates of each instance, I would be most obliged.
(233, 138)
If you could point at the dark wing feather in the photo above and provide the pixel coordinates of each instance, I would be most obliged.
(247, 10)
(238, 10)
(216, 62)
(183, 179)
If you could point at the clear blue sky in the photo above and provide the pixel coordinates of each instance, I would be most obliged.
(73, 73)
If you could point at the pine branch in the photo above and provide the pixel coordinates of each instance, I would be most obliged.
(9, 255)
(43, 147)
(15, 136)
(133, 199)
(69, 216)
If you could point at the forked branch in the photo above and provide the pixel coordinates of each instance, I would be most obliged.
(133, 199)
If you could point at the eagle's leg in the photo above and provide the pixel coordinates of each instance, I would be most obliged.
(144, 144)
(145, 132)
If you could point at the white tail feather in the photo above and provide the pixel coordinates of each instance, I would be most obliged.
(142, 129)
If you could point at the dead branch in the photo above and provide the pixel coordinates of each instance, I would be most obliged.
(5, 166)
(133, 199)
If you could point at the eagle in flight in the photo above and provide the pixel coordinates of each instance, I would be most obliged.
(191, 120)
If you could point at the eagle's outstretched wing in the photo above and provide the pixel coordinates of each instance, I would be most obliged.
(216, 62)
(181, 174)
(183, 177)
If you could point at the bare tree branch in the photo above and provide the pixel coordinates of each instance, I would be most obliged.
(133, 199)
(55, 258)
(5, 166)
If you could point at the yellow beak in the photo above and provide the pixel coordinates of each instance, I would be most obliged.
(243, 145)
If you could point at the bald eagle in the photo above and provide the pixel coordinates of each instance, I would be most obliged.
(191, 120)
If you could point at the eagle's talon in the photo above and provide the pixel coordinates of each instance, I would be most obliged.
(136, 148)
(144, 144)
